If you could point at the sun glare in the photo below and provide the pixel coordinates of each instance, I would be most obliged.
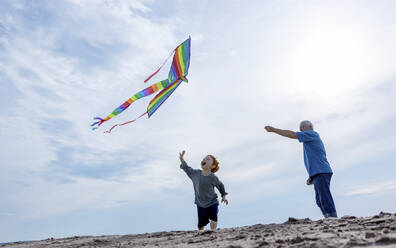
(330, 62)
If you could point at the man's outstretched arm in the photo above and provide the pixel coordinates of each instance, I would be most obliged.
(284, 133)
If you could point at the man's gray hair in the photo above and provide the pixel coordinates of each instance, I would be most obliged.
(306, 123)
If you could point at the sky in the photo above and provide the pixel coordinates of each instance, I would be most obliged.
(253, 63)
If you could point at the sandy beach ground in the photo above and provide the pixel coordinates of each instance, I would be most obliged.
(348, 231)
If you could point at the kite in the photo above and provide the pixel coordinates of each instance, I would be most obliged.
(177, 74)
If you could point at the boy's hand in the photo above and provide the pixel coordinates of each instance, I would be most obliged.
(181, 155)
(224, 199)
(309, 181)
(269, 128)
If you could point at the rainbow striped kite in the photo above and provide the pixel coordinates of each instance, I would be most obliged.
(177, 74)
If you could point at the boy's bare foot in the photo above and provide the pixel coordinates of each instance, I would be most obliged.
(213, 225)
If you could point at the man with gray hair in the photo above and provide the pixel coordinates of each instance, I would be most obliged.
(316, 163)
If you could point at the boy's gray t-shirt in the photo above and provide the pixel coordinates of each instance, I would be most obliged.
(205, 195)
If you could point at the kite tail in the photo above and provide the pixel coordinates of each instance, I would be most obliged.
(152, 75)
(143, 93)
(108, 131)
(96, 124)
(125, 123)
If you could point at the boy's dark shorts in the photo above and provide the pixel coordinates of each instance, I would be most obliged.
(206, 214)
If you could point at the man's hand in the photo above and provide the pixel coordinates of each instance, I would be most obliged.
(269, 128)
(284, 133)
(309, 181)
(224, 199)
(181, 155)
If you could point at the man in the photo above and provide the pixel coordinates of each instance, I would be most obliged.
(316, 164)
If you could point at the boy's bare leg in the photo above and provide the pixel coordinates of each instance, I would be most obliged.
(213, 225)
(201, 229)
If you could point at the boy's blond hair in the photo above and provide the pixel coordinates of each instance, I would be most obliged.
(216, 163)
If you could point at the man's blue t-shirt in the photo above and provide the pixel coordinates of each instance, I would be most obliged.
(314, 153)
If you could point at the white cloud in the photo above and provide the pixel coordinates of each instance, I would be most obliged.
(373, 188)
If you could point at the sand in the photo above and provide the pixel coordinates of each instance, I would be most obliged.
(348, 231)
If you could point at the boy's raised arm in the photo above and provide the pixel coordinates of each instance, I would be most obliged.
(181, 156)
(189, 171)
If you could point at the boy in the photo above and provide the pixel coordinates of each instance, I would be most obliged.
(204, 182)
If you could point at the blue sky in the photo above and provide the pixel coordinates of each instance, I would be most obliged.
(254, 63)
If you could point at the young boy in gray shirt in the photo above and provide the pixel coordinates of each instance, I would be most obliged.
(204, 182)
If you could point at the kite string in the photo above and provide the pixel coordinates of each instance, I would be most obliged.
(125, 123)
(152, 75)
